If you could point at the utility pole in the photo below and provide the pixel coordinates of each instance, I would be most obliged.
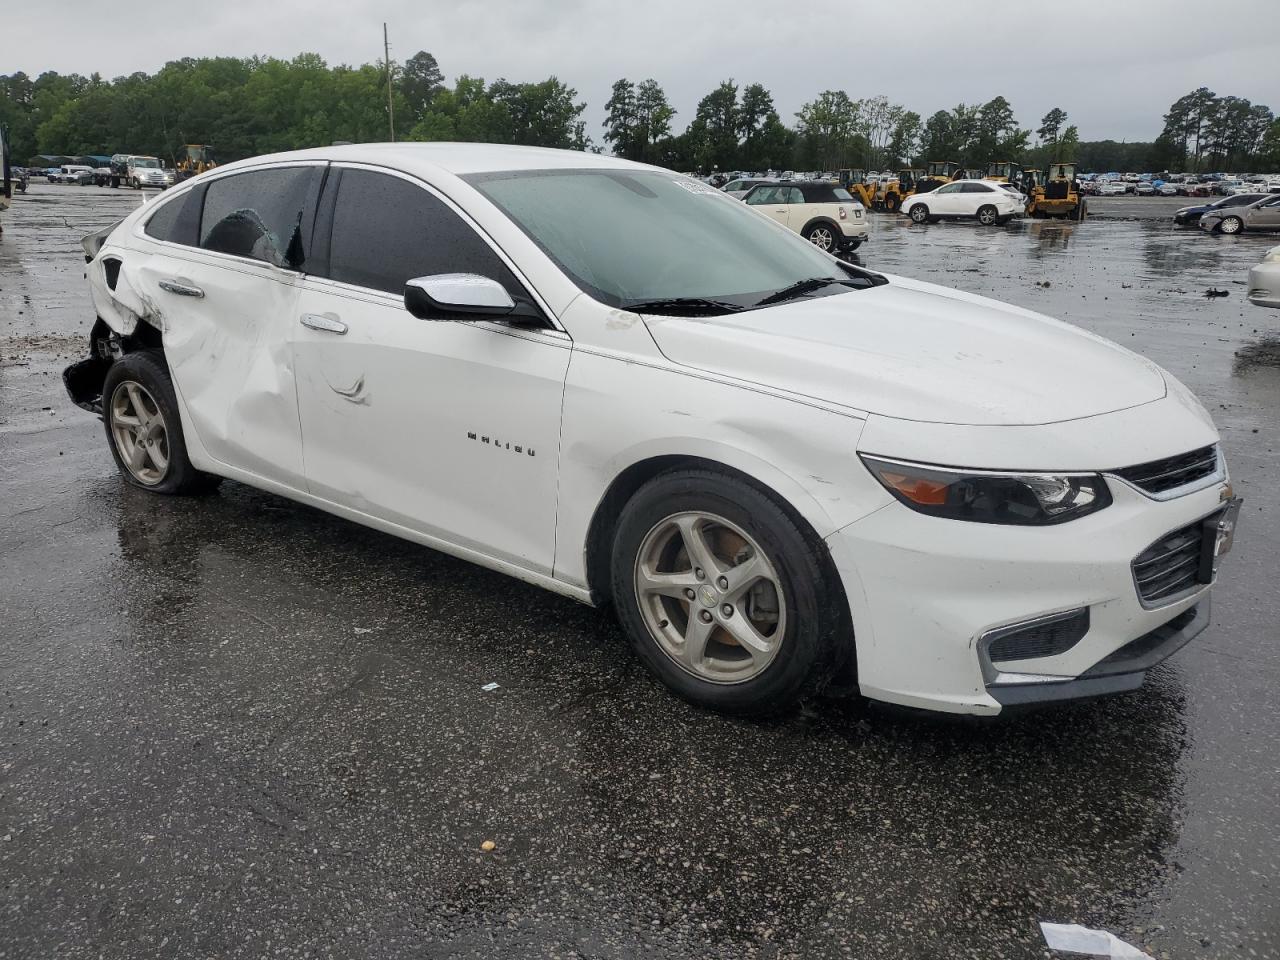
(386, 55)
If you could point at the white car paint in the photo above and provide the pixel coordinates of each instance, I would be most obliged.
(964, 198)
(1264, 280)
(384, 425)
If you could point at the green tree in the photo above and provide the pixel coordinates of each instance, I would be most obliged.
(1051, 126)
(905, 142)
(715, 125)
(827, 129)
(420, 80)
(620, 123)
(653, 119)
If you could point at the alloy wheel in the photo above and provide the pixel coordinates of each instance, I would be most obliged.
(139, 432)
(710, 597)
(822, 238)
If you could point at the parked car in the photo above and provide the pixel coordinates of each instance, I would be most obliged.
(1114, 188)
(72, 174)
(1225, 187)
(773, 464)
(1262, 214)
(738, 188)
(1190, 216)
(981, 200)
(1264, 280)
(1012, 188)
(1171, 189)
(1144, 188)
(822, 212)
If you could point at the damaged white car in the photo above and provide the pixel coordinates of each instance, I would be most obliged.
(617, 383)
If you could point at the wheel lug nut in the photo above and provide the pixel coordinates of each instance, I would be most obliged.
(727, 610)
(705, 616)
(688, 592)
(723, 583)
(698, 572)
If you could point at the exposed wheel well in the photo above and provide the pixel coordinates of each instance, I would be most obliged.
(84, 379)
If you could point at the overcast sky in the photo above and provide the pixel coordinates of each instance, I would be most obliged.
(1113, 66)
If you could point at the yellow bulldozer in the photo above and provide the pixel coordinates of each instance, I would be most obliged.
(1057, 195)
(936, 174)
(194, 158)
(895, 191)
(855, 181)
(1003, 171)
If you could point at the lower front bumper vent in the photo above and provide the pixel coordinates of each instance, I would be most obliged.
(1170, 566)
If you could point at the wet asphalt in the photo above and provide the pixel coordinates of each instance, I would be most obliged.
(238, 727)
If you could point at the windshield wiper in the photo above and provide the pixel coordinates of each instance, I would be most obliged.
(801, 287)
(691, 305)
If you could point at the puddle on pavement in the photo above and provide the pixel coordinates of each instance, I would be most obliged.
(1261, 353)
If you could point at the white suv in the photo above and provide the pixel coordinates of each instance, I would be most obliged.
(779, 468)
(822, 212)
(982, 200)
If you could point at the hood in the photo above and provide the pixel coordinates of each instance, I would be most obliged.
(916, 351)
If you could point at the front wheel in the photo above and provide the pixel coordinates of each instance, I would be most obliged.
(1231, 225)
(988, 215)
(140, 413)
(892, 202)
(723, 596)
(919, 213)
(823, 236)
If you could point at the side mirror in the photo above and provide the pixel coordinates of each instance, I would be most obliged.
(448, 295)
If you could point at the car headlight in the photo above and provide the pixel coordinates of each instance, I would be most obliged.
(990, 496)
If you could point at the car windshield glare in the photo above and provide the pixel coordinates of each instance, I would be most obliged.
(628, 237)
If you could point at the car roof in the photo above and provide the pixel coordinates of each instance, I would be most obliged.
(456, 158)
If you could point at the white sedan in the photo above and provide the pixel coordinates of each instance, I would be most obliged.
(1114, 188)
(980, 200)
(778, 468)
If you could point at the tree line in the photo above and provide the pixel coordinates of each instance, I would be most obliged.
(250, 106)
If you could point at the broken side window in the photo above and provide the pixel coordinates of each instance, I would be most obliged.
(259, 214)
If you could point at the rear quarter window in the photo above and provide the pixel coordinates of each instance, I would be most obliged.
(178, 219)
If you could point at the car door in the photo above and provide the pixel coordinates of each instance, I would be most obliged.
(1265, 216)
(946, 200)
(222, 276)
(447, 428)
(797, 214)
(771, 200)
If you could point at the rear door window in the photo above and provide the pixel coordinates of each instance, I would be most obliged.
(974, 188)
(261, 214)
(387, 231)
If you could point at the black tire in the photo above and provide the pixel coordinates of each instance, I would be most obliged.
(815, 233)
(1231, 225)
(817, 638)
(892, 202)
(988, 215)
(919, 213)
(149, 369)
(853, 244)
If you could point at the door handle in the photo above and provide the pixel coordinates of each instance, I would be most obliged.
(181, 289)
(319, 321)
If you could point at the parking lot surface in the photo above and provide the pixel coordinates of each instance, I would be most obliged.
(239, 727)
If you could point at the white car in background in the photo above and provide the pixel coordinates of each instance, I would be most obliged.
(822, 212)
(1264, 281)
(980, 200)
(1114, 188)
(777, 467)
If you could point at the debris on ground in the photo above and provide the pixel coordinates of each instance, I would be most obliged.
(489, 687)
(1211, 293)
(488, 846)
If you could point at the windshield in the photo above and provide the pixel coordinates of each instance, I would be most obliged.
(634, 237)
(145, 162)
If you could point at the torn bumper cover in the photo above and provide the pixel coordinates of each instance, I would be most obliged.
(83, 381)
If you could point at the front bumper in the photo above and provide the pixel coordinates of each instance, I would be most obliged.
(925, 592)
(1264, 285)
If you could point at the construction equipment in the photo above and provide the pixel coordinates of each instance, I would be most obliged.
(969, 173)
(1004, 172)
(1058, 195)
(895, 191)
(195, 158)
(937, 173)
(855, 181)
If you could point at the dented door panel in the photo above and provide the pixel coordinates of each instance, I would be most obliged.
(449, 429)
(229, 353)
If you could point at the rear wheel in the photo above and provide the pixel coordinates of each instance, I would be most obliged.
(823, 236)
(988, 215)
(723, 596)
(892, 202)
(140, 413)
(919, 213)
(1231, 225)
